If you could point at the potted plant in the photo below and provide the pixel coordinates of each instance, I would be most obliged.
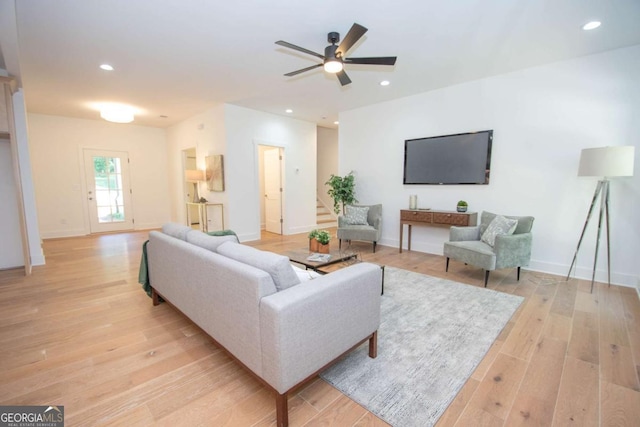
(462, 206)
(313, 242)
(342, 191)
(323, 239)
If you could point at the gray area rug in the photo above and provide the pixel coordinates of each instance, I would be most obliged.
(432, 336)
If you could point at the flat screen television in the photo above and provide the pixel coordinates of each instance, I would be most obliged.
(463, 158)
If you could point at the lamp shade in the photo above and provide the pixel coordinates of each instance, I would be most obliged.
(194, 175)
(607, 161)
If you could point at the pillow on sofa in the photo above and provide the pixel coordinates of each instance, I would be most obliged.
(206, 241)
(356, 215)
(278, 266)
(500, 225)
(178, 231)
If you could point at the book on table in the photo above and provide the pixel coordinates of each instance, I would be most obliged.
(319, 257)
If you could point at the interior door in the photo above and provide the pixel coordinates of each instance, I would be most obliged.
(273, 191)
(108, 190)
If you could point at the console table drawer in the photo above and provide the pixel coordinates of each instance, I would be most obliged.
(451, 219)
(416, 216)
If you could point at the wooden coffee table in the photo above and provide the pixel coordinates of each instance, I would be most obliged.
(299, 256)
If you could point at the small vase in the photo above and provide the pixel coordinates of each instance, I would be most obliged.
(313, 245)
(323, 249)
(462, 208)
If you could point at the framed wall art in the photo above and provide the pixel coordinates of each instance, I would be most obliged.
(215, 172)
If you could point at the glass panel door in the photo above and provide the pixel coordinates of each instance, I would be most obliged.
(108, 191)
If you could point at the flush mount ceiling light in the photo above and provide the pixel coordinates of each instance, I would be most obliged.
(384, 83)
(106, 67)
(117, 113)
(336, 122)
(288, 110)
(591, 25)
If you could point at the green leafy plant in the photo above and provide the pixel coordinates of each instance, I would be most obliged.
(342, 191)
(462, 203)
(313, 234)
(323, 237)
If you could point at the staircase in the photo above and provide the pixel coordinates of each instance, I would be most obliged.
(324, 217)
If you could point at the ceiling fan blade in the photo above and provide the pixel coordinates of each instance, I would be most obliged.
(378, 60)
(344, 79)
(351, 38)
(298, 48)
(295, 73)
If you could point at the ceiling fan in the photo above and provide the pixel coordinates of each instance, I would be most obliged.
(334, 59)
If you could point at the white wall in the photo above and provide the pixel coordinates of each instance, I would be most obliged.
(11, 255)
(56, 145)
(245, 130)
(542, 117)
(205, 132)
(327, 162)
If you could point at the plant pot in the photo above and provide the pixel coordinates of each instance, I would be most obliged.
(313, 245)
(462, 208)
(323, 249)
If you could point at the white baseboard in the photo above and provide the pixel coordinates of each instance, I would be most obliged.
(621, 279)
(57, 234)
(302, 229)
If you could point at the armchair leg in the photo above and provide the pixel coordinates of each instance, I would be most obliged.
(373, 345)
(486, 277)
(518, 273)
(339, 243)
(374, 247)
(446, 270)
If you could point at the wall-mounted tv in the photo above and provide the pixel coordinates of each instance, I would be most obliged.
(463, 158)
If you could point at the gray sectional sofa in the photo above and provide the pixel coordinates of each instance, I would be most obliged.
(279, 322)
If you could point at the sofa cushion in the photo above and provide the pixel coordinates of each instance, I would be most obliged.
(178, 231)
(356, 215)
(204, 240)
(278, 266)
(498, 226)
(305, 275)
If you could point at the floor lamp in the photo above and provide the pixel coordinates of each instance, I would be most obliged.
(605, 162)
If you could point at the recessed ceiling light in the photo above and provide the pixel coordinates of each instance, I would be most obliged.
(106, 67)
(336, 122)
(591, 25)
(384, 83)
(288, 110)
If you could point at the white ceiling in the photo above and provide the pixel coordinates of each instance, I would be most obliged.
(179, 57)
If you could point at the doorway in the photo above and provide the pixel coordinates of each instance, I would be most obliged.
(108, 190)
(271, 179)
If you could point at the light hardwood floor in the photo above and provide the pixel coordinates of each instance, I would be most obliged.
(81, 333)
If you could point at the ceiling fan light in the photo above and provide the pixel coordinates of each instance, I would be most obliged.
(332, 66)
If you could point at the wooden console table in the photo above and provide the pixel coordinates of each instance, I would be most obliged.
(431, 218)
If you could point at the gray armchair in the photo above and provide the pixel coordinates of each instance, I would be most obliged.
(369, 231)
(509, 251)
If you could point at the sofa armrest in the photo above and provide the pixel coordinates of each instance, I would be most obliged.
(458, 234)
(305, 327)
(513, 250)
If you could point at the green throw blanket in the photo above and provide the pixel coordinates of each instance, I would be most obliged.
(143, 274)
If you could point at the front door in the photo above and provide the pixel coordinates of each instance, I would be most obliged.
(273, 191)
(108, 190)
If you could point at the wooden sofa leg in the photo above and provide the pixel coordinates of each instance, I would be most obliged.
(446, 270)
(374, 247)
(518, 274)
(154, 297)
(282, 412)
(486, 277)
(373, 345)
